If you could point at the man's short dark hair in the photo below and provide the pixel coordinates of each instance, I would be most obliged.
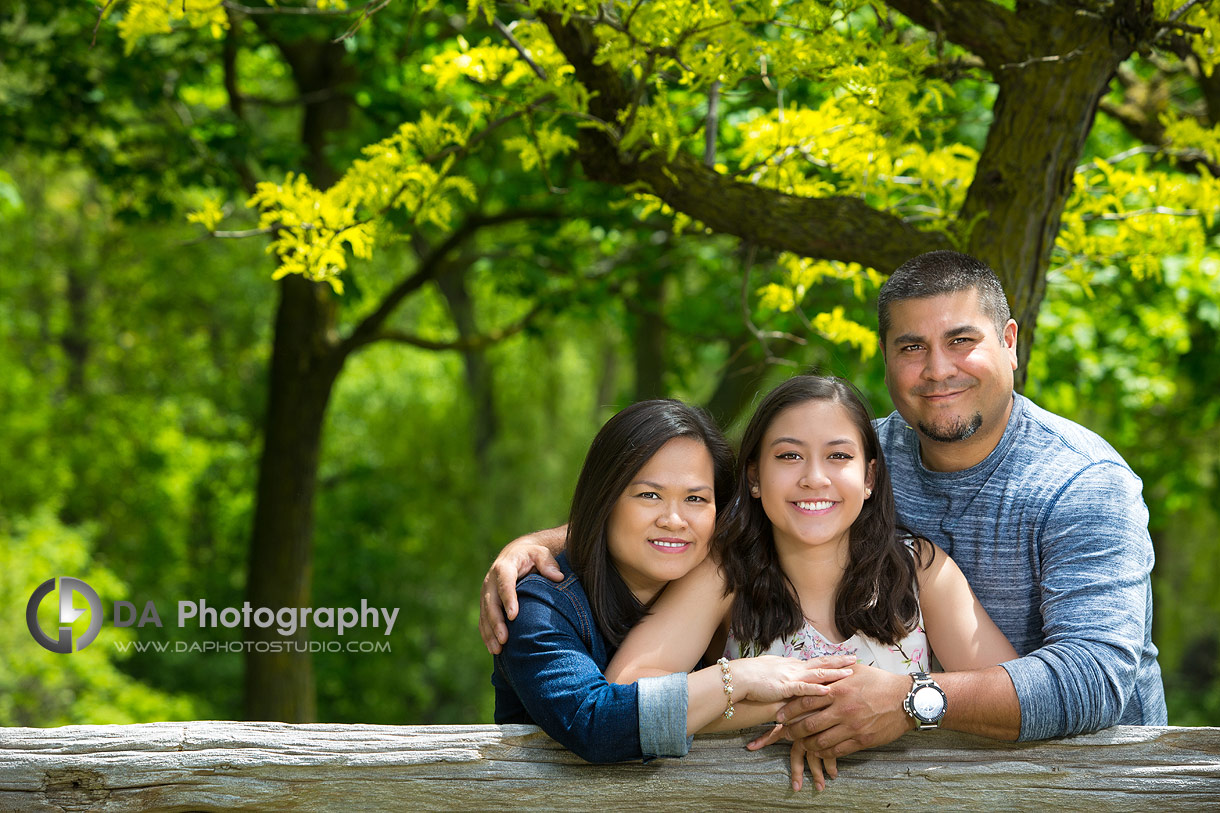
(943, 272)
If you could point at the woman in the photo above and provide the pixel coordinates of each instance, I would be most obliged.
(643, 514)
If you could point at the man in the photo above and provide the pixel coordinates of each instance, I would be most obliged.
(1043, 516)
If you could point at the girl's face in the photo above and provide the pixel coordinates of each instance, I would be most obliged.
(662, 522)
(811, 475)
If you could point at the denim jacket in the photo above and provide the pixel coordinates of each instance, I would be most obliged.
(550, 673)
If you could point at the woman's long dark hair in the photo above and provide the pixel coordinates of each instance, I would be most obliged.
(877, 594)
(620, 450)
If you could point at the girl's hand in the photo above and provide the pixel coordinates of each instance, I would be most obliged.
(770, 678)
(819, 768)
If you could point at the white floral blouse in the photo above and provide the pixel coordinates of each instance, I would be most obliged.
(910, 655)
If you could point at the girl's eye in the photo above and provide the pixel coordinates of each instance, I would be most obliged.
(840, 456)
(696, 498)
(787, 456)
(649, 495)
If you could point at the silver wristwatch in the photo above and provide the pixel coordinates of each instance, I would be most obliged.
(926, 701)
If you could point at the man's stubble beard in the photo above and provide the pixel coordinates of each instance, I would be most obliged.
(962, 429)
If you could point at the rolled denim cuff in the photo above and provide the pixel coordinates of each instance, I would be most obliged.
(661, 702)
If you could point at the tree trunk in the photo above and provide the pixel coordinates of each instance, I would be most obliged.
(304, 365)
(1042, 116)
(739, 381)
(648, 314)
(279, 685)
(479, 379)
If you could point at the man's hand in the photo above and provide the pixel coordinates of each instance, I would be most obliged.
(519, 558)
(861, 711)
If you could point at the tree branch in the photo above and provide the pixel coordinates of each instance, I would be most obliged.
(836, 228)
(370, 328)
(466, 343)
(507, 33)
(369, 8)
(1139, 112)
(982, 27)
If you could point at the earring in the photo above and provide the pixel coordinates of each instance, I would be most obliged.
(868, 492)
(753, 491)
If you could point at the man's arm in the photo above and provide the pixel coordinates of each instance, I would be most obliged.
(865, 710)
(1095, 556)
(519, 558)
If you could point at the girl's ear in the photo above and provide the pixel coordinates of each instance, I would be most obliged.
(870, 476)
(752, 479)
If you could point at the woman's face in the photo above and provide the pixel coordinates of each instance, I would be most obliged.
(662, 523)
(812, 475)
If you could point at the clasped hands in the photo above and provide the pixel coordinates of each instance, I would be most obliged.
(860, 711)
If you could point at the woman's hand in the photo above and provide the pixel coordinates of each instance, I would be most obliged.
(770, 678)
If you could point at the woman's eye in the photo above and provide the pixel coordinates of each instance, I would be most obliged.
(696, 498)
(787, 456)
(649, 495)
(840, 456)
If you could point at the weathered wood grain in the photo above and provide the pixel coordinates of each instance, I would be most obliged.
(229, 766)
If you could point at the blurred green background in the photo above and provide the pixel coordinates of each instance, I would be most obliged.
(136, 392)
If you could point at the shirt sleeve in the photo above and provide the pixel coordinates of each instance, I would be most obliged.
(1095, 556)
(553, 673)
(662, 710)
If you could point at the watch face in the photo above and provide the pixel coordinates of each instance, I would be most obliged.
(928, 703)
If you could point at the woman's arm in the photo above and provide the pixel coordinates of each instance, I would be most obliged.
(551, 670)
(959, 630)
(676, 633)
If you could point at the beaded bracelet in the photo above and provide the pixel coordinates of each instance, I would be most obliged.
(727, 678)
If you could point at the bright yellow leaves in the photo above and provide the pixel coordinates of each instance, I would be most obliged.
(801, 275)
(314, 232)
(1130, 216)
(208, 215)
(1203, 33)
(144, 18)
(310, 229)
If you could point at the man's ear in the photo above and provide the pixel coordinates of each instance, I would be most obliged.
(1010, 342)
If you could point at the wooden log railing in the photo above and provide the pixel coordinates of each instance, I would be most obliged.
(227, 766)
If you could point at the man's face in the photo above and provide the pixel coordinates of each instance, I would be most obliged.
(950, 375)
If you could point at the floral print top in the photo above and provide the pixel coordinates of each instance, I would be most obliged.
(910, 655)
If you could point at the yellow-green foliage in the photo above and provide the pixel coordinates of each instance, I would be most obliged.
(840, 105)
(1134, 217)
(41, 688)
(800, 275)
(146, 18)
(1204, 34)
